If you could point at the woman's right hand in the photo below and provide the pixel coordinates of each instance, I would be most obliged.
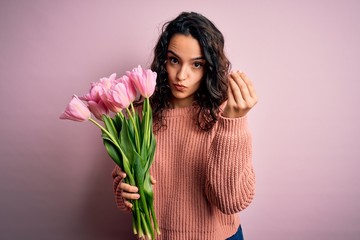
(129, 192)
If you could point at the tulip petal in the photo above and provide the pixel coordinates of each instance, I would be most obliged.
(119, 96)
(98, 109)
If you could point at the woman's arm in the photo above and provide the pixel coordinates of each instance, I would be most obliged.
(230, 178)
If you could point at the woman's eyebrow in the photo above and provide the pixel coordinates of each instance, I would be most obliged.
(197, 58)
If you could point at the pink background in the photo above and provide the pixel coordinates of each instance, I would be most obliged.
(304, 58)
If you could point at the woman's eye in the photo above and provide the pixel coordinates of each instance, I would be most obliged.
(198, 64)
(173, 60)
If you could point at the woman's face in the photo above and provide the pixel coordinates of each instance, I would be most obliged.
(185, 67)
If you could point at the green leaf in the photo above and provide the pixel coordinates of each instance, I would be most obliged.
(138, 170)
(137, 122)
(118, 121)
(151, 154)
(113, 152)
(126, 143)
(109, 124)
(148, 190)
(131, 131)
(106, 137)
(143, 120)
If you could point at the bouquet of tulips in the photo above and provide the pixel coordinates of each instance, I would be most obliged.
(127, 134)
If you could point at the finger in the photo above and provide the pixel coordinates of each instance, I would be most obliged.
(249, 84)
(153, 181)
(238, 98)
(118, 172)
(128, 204)
(128, 188)
(243, 87)
(130, 196)
(231, 99)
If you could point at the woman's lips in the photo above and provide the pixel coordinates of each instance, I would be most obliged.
(179, 87)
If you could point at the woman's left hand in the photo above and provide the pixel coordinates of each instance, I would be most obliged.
(241, 95)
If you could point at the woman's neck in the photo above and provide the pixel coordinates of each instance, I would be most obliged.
(182, 103)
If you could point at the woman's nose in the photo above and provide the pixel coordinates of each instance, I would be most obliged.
(182, 73)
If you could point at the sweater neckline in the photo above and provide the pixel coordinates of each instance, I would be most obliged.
(176, 112)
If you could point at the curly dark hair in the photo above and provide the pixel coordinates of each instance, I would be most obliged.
(213, 89)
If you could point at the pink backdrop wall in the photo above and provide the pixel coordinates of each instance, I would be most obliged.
(55, 178)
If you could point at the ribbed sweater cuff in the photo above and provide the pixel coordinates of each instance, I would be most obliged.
(228, 125)
(119, 200)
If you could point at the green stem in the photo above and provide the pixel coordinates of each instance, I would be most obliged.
(133, 224)
(137, 141)
(120, 114)
(146, 228)
(148, 122)
(146, 118)
(145, 208)
(106, 131)
(137, 217)
(132, 108)
(156, 226)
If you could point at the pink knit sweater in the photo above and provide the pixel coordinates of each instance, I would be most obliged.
(203, 178)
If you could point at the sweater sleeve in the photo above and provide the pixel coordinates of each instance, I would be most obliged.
(230, 178)
(117, 179)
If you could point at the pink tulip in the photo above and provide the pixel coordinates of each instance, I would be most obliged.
(97, 88)
(118, 96)
(98, 109)
(105, 93)
(107, 100)
(144, 80)
(106, 83)
(130, 88)
(98, 96)
(93, 99)
(76, 110)
(94, 93)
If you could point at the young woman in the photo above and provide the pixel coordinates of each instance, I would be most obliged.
(203, 161)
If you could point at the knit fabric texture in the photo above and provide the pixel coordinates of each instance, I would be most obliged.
(203, 177)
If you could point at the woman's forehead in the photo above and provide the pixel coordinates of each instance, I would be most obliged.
(185, 46)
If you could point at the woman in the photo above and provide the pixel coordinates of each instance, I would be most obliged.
(203, 165)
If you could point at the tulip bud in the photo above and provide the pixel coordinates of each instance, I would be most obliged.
(144, 80)
(76, 110)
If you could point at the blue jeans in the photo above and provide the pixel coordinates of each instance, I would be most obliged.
(237, 236)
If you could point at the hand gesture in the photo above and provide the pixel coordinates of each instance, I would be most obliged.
(241, 95)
